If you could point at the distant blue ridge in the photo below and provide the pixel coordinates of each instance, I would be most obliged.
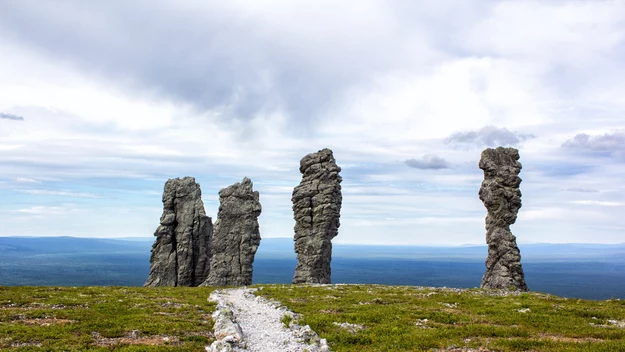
(591, 271)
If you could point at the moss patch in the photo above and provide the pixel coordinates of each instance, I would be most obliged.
(393, 318)
(417, 319)
(105, 318)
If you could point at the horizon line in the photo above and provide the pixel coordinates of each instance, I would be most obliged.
(339, 243)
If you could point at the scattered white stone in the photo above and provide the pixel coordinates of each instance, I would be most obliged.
(134, 334)
(245, 322)
(617, 323)
(353, 328)
(422, 323)
(228, 333)
(450, 305)
(525, 310)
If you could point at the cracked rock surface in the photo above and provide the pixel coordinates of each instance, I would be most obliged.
(181, 253)
(316, 210)
(236, 236)
(501, 196)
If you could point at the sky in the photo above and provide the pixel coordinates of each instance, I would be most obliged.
(102, 101)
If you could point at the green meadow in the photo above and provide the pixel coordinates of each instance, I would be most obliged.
(380, 318)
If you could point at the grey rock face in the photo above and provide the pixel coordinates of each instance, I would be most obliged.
(316, 210)
(502, 198)
(181, 251)
(236, 236)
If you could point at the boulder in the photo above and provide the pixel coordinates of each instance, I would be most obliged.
(501, 196)
(181, 251)
(236, 236)
(316, 210)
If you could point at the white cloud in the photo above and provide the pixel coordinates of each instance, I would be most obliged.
(65, 90)
(399, 109)
(550, 31)
(47, 192)
(248, 88)
(488, 136)
(26, 180)
(392, 222)
(613, 143)
(582, 190)
(541, 214)
(598, 203)
(41, 210)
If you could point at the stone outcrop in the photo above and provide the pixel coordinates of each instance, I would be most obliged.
(501, 196)
(181, 251)
(316, 210)
(236, 236)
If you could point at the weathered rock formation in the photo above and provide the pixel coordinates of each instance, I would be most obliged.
(236, 236)
(316, 209)
(502, 198)
(181, 252)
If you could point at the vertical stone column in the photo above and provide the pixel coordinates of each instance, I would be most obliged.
(181, 251)
(236, 237)
(316, 210)
(501, 196)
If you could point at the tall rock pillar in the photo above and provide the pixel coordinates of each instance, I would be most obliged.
(316, 209)
(236, 237)
(181, 253)
(501, 196)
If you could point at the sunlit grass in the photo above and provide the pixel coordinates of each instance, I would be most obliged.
(393, 318)
(105, 318)
(413, 319)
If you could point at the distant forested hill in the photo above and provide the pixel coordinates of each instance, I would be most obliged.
(65, 245)
(569, 270)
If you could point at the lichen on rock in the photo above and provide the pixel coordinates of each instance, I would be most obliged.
(316, 210)
(181, 253)
(501, 196)
(236, 236)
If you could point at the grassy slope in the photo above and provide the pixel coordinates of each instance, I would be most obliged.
(394, 318)
(103, 318)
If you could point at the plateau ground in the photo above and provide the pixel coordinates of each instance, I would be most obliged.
(351, 318)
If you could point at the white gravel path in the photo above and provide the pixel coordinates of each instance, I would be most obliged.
(244, 322)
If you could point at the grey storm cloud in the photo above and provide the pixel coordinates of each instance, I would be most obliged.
(11, 117)
(209, 56)
(428, 162)
(489, 136)
(613, 144)
(207, 62)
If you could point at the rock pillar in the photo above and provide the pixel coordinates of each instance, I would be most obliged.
(501, 196)
(181, 253)
(236, 236)
(316, 210)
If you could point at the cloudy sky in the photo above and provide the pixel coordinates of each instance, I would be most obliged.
(102, 101)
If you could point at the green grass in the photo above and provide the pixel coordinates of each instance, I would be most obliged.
(104, 318)
(286, 320)
(413, 319)
(394, 318)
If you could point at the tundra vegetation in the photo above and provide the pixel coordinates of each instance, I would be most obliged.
(351, 317)
(105, 318)
(408, 318)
